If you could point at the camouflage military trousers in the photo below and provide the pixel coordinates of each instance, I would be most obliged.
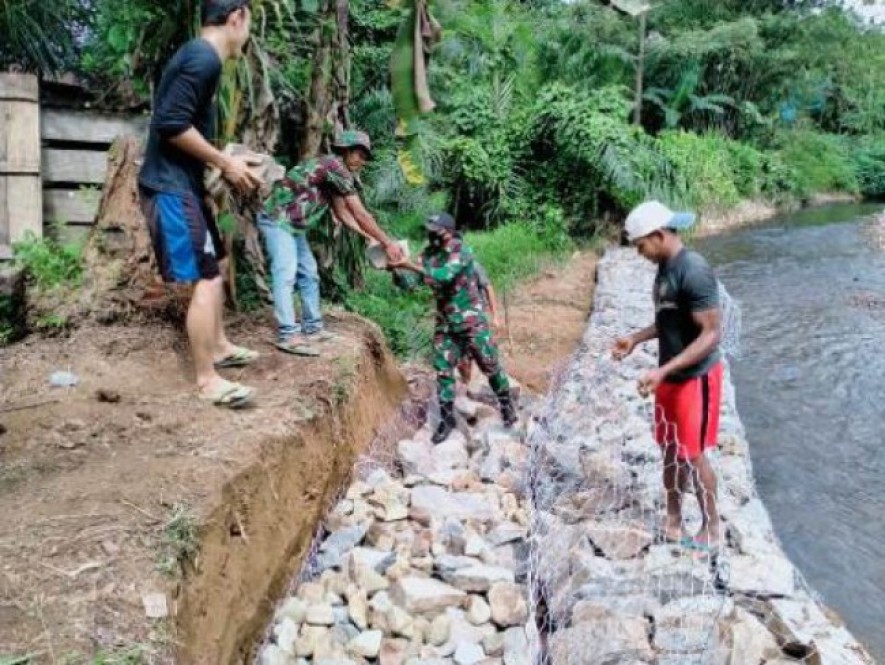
(448, 350)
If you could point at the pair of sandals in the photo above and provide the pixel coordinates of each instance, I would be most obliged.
(299, 345)
(230, 394)
(689, 543)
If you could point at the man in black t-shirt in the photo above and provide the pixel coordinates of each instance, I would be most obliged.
(183, 230)
(688, 381)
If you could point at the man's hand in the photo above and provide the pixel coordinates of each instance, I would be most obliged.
(236, 172)
(623, 347)
(395, 254)
(650, 381)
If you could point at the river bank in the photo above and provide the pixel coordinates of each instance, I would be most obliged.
(750, 212)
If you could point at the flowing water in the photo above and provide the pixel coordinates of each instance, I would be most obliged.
(811, 392)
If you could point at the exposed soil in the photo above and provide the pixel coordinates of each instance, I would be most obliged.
(548, 316)
(87, 485)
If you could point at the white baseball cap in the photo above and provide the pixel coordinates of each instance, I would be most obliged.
(653, 216)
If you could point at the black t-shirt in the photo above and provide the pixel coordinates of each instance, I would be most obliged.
(185, 99)
(684, 285)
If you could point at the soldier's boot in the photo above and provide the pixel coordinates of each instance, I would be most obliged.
(447, 422)
(508, 410)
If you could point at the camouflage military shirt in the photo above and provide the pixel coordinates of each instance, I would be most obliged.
(450, 271)
(302, 199)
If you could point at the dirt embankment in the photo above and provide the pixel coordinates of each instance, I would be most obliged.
(102, 482)
(749, 212)
(88, 487)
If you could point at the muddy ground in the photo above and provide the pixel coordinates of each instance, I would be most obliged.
(105, 484)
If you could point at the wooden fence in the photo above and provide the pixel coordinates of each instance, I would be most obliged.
(53, 162)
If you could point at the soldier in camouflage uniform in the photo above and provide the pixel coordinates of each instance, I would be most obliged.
(462, 326)
(313, 191)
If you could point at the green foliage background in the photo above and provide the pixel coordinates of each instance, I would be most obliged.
(532, 141)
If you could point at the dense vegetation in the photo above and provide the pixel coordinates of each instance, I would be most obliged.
(533, 137)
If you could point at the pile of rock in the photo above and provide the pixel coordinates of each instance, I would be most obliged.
(613, 593)
(421, 566)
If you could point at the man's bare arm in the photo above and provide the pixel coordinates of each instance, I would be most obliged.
(234, 169)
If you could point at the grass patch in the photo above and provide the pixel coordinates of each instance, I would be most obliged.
(50, 262)
(180, 542)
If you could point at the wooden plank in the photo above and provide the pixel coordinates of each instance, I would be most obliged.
(90, 127)
(21, 206)
(20, 87)
(19, 137)
(88, 167)
(70, 206)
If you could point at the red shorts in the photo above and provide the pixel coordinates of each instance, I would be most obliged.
(687, 414)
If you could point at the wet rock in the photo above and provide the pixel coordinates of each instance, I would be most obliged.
(508, 604)
(418, 595)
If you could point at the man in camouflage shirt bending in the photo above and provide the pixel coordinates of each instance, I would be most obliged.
(462, 326)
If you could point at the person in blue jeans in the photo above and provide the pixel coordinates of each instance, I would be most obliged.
(312, 192)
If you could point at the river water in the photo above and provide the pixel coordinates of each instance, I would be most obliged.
(811, 392)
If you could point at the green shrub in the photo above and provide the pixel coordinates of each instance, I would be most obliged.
(704, 163)
(819, 162)
(869, 165)
(50, 262)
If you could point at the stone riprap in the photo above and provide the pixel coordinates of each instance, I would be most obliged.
(610, 591)
(422, 562)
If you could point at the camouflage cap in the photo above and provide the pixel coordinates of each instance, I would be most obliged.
(441, 221)
(352, 138)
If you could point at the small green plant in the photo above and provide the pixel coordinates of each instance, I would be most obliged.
(180, 541)
(345, 372)
(17, 660)
(50, 262)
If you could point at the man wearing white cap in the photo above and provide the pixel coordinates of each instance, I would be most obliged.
(688, 381)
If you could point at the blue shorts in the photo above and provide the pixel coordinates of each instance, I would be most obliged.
(186, 241)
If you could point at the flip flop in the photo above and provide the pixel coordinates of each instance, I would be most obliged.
(322, 336)
(230, 395)
(701, 548)
(304, 350)
(239, 358)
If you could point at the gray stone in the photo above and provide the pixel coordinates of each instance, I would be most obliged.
(803, 629)
(443, 504)
(451, 453)
(390, 502)
(358, 609)
(690, 624)
(480, 578)
(440, 630)
(748, 641)
(311, 639)
(367, 579)
(271, 654)
(287, 634)
(601, 640)
(516, 647)
(767, 576)
(508, 604)
(338, 544)
(468, 654)
(367, 644)
(393, 652)
(366, 557)
(293, 608)
(447, 564)
(506, 532)
(416, 457)
(619, 540)
(493, 645)
(630, 605)
(478, 611)
(320, 615)
(420, 595)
